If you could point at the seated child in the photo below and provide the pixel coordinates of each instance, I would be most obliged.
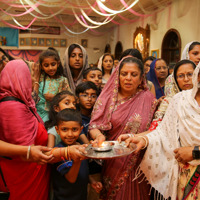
(87, 95)
(70, 177)
(60, 101)
(94, 75)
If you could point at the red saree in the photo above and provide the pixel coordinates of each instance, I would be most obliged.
(113, 117)
(18, 125)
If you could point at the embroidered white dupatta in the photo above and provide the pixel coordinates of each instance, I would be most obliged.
(159, 164)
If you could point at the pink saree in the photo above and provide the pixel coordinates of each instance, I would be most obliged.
(113, 118)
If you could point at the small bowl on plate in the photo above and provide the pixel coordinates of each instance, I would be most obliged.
(105, 146)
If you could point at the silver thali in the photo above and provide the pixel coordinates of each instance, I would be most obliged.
(111, 149)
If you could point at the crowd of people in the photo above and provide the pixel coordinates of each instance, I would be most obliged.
(50, 112)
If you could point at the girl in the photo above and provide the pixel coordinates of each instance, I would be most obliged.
(76, 61)
(106, 65)
(51, 81)
(62, 100)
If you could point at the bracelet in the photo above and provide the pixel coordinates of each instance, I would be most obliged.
(130, 135)
(66, 153)
(146, 142)
(28, 152)
(51, 152)
(37, 83)
(68, 150)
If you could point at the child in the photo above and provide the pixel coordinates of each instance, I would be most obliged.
(94, 75)
(87, 95)
(62, 100)
(51, 81)
(70, 178)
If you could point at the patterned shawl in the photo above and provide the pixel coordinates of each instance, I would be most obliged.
(159, 164)
(107, 102)
(67, 69)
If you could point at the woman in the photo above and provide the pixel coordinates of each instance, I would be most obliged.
(181, 79)
(76, 61)
(157, 75)
(192, 52)
(21, 125)
(171, 163)
(125, 105)
(105, 64)
(15, 123)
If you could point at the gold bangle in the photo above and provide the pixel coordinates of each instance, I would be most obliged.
(66, 153)
(37, 83)
(146, 142)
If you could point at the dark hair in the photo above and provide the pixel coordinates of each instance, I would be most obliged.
(158, 59)
(133, 52)
(71, 48)
(133, 60)
(6, 54)
(106, 54)
(55, 102)
(178, 64)
(50, 53)
(152, 58)
(193, 45)
(86, 71)
(82, 87)
(67, 115)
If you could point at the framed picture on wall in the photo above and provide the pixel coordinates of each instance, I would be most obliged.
(22, 41)
(84, 43)
(27, 41)
(155, 53)
(56, 42)
(63, 43)
(49, 42)
(34, 42)
(41, 42)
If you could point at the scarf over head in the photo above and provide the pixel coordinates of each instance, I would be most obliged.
(182, 116)
(151, 76)
(108, 100)
(18, 125)
(68, 72)
(185, 53)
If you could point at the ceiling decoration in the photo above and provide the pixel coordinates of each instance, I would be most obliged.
(77, 16)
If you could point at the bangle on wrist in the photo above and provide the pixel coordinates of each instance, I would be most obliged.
(51, 152)
(28, 152)
(130, 135)
(68, 150)
(146, 142)
(66, 153)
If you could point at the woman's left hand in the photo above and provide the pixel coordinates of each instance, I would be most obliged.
(48, 96)
(124, 137)
(183, 154)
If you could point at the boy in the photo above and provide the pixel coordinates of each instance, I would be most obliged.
(94, 75)
(70, 178)
(87, 95)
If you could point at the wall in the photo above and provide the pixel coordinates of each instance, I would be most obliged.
(182, 15)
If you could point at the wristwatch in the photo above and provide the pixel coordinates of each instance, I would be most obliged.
(196, 153)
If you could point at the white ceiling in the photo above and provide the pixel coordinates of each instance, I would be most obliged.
(64, 10)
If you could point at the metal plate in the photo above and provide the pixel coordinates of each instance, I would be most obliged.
(117, 150)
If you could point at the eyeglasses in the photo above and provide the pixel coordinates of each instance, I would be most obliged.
(182, 76)
(159, 68)
(88, 96)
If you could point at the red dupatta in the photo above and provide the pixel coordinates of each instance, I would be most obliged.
(18, 125)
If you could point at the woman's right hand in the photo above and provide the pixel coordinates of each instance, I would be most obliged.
(139, 141)
(99, 139)
(37, 155)
(124, 137)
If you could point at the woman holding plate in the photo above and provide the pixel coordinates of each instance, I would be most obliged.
(124, 106)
